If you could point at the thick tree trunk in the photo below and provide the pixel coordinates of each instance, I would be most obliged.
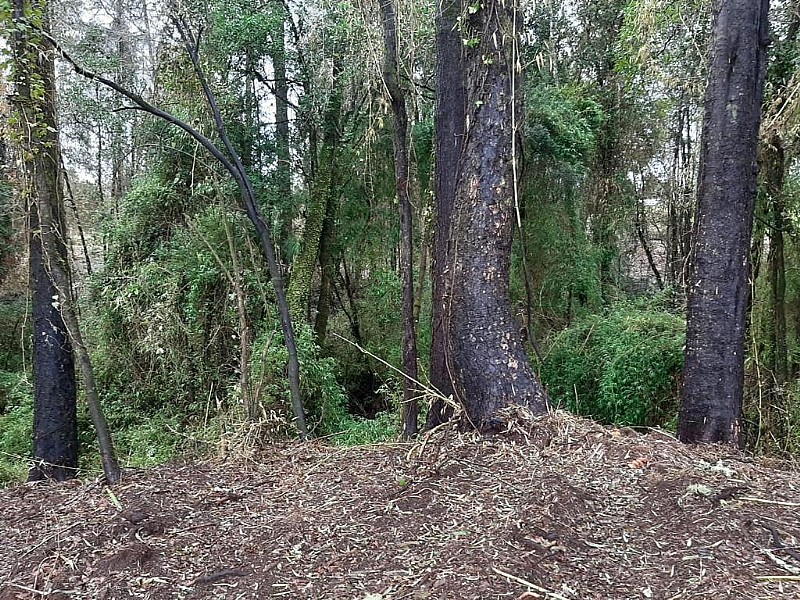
(718, 286)
(55, 317)
(449, 143)
(410, 411)
(55, 427)
(488, 363)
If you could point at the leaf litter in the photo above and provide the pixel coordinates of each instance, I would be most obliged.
(554, 507)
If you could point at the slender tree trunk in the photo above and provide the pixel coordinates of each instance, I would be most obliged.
(78, 222)
(718, 286)
(249, 399)
(410, 410)
(327, 270)
(774, 167)
(449, 143)
(488, 363)
(282, 139)
(322, 188)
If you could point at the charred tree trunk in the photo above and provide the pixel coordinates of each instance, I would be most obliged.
(55, 426)
(449, 143)
(718, 286)
(55, 319)
(410, 410)
(488, 363)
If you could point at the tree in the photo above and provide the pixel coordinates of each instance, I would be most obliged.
(397, 97)
(485, 358)
(56, 328)
(233, 164)
(449, 141)
(718, 282)
(55, 428)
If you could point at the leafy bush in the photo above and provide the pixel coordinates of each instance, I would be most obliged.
(621, 367)
(14, 332)
(16, 426)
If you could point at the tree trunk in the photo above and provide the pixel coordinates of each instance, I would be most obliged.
(322, 188)
(410, 410)
(327, 270)
(450, 130)
(55, 318)
(718, 286)
(489, 366)
(774, 167)
(55, 427)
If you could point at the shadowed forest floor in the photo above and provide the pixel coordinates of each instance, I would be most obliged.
(557, 507)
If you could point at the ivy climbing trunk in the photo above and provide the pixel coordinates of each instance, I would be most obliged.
(449, 142)
(718, 289)
(485, 357)
(410, 411)
(322, 188)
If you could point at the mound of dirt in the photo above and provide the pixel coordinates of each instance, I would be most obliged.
(554, 507)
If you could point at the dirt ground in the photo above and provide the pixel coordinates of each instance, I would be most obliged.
(555, 508)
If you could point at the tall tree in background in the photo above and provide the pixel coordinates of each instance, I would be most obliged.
(397, 97)
(718, 286)
(485, 356)
(55, 429)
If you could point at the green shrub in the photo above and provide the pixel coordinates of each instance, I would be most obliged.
(16, 426)
(621, 367)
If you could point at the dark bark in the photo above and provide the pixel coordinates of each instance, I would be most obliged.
(488, 363)
(55, 426)
(642, 234)
(449, 142)
(410, 411)
(679, 204)
(50, 274)
(718, 284)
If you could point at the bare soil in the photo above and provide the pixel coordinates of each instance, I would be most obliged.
(556, 507)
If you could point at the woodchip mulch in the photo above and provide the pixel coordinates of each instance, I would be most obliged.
(556, 507)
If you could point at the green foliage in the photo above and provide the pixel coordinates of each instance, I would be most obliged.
(383, 428)
(562, 123)
(325, 400)
(621, 367)
(16, 426)
(14, 330)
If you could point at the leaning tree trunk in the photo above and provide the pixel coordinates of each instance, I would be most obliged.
(488, 363)
(718, 284)
(449, 142)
